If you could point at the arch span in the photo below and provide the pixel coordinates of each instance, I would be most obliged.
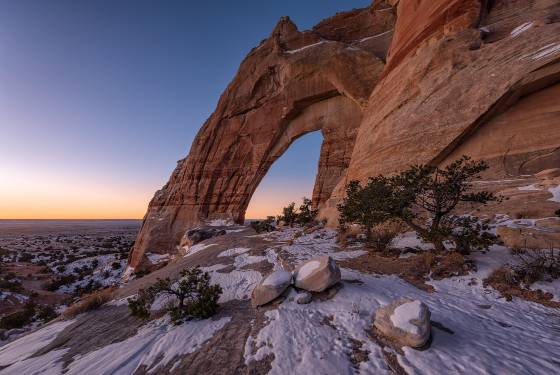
(293, 83)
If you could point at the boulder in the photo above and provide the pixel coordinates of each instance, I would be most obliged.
(196, 235)
(271, 287)
(317, 274)
(405, 321)
(548, 174)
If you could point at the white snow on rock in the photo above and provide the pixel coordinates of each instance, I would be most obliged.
(26, 346)
(157, 344)
(220, 223)
(196, 248)
(278, 278)
(234, 251)
(532, 187)
(308, 269)
(128, 274)
(555, 191)
(47, 364)
(157, 258)
(543, 52)
(291, 52)
(406, 312)
(235, 284)
(521, 29)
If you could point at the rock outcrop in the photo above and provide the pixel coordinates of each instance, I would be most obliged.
(396, 83)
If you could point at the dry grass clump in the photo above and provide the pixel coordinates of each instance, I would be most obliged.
(506, 281)
(89, 302)
(416, 269)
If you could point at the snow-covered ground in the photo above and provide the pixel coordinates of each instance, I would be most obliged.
(475, 331)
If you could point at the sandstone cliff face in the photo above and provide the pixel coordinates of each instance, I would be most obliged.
(421, 81)
(478, 80)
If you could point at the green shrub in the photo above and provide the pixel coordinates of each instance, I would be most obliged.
(306, 214)
(289, 214)
(19, 318)
(424, 198)
(195, 297)
(46, 313)
(264, 225)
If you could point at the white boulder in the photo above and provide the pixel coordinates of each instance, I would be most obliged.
(271, 287)
(317, 274)
(405, 321)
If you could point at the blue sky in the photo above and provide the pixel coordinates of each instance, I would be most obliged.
(99, 98)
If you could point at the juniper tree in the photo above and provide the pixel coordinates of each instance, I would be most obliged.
(367, 205)
(306, 213)
(428, 197)
(425, 198)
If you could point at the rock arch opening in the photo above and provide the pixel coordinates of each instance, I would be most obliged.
(291, 177)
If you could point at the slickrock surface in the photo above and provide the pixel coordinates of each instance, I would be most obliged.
(401, 82)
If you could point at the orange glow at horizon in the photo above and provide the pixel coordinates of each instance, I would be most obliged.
(35, 196)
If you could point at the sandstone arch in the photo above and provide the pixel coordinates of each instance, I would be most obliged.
(291, 84)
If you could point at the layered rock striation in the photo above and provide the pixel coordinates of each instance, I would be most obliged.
(396, 83)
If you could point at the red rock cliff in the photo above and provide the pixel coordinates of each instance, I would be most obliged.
(461, 76)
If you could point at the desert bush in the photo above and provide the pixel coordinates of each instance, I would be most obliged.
(89, 288)
(89, 302)
(25, 257)
(367, 205)
(20, 318)
(536, 264)
(383, 235)
(195, 297)
(289, 214)
(12, 285)
(59, 281)
(424, 198)
(306, 214)
(46, 313)
(264, 225)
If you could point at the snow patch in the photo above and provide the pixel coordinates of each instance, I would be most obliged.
(406, 312)
(196, 248)
(555, 191)
(278, 278)
(156, 345)
(157, 258)
(532, 187)
(220, 223)
(235, 284)
(291, 52)
(26, 346)
(521, 29)
(234, 251)
(307, 269)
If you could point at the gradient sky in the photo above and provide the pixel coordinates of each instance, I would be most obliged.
(100, 98)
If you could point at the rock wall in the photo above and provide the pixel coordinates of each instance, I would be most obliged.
(396, 83)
